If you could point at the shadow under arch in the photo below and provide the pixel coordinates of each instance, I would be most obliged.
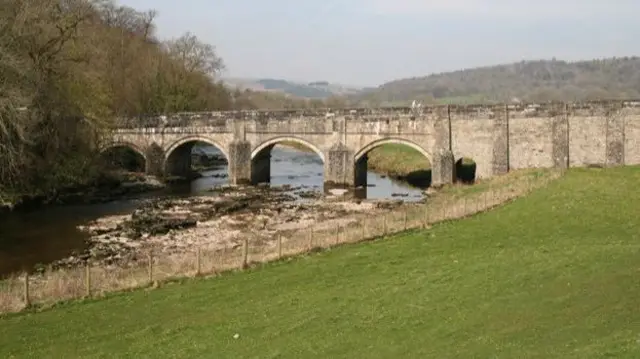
(466, 169)
(178, 160)
(194, 139)
(261, 156)
(399, 158)
(124, 155)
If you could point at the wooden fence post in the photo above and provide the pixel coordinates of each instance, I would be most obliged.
(464, 210)
(406, 220)
(150, 268)
(310, 238)
(279, 244)
(384, 224)
(27, 298)
(425, 218)
(198, 261)
(87, 279)
(337, 234)
(364, 228)
(245, 253)
(484, 200)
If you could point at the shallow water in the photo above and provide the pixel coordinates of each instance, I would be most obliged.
(43, 236)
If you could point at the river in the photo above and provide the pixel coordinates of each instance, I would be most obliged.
(49, 234)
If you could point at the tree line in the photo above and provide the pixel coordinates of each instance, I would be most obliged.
(69, 68)
(527, 81)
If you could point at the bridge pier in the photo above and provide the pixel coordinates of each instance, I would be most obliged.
(339, 168)
(443, 168)
(500, 156)
(240, 163)
(615, 137)
(560, 141)
(155, 160)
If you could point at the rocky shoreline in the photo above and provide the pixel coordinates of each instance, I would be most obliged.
(220, 221)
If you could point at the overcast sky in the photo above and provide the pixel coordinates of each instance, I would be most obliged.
(368, 42)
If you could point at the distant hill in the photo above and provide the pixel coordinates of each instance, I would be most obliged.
(540, 80)
(312, 90)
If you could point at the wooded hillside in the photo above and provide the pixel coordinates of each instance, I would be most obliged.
(69, 68)
(542, 80)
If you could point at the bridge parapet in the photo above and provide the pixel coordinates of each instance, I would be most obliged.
(477, 111)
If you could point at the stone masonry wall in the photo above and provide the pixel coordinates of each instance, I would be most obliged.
(497, 137)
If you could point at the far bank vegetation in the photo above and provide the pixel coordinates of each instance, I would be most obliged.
(70, 67)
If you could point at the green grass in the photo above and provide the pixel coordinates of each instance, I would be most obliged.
(553, 275)
(397, 159)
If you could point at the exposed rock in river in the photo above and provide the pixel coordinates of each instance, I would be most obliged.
(218, 221)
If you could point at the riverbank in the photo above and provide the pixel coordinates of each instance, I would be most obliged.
(232, 233)
(551, 275)
(176, 226)
(106, 187)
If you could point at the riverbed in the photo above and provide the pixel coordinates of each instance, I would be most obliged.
(53, 233)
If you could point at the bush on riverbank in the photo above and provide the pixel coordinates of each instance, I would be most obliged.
(535, 277)
(103, 186)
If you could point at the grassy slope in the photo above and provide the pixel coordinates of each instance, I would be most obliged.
(396, 159)
(552, 275)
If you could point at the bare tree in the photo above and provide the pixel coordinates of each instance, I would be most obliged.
(196, 56)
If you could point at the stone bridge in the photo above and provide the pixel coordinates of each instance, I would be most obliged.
(497, 137)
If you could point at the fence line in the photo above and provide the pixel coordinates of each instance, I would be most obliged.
(18, 293)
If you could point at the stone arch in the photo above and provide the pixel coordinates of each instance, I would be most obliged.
(371, 145)
(129, 145)
(276, 140)
(177, 156)
(196, 138)
(420, 177)
(261, 157)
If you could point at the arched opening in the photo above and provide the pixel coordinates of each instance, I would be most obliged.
(466, 170)
(123, 157)
(197, 161)
(288, 161)
(392, 168)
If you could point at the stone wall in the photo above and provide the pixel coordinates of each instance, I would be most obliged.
(498, 137)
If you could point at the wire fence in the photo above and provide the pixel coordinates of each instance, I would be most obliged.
(52, 286)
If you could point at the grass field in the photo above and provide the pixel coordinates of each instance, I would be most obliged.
(553, 275)
(397, 159)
